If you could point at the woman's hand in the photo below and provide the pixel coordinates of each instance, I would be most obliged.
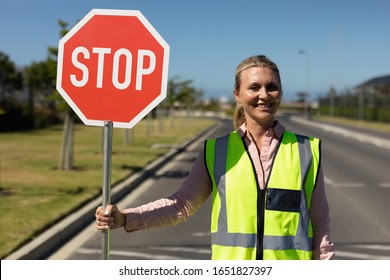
(111, 217)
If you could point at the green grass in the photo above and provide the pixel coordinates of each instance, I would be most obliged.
(34, 194)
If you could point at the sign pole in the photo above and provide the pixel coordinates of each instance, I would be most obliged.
(106, 187)
(123, 41)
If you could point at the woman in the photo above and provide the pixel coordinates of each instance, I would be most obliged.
(267, 185)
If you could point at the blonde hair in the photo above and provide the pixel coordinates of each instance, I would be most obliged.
(239, 116)
(253, 61)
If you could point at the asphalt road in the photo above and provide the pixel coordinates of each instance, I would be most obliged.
(357, 176)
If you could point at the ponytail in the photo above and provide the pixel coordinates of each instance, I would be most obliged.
(239, 116)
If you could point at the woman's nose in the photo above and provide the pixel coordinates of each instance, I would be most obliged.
(263, 94)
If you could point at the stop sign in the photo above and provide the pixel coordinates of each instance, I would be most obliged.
(112, 66)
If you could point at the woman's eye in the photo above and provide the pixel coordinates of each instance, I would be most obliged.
(272, 87)
(254, 88)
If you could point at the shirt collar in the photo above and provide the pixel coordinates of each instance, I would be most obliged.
(276, 131)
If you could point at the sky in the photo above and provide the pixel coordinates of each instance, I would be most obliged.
(316, 44)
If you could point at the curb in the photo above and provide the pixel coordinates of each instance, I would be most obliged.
(361, 137)
(52, 239)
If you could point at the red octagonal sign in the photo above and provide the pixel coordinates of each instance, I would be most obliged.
(112, 66)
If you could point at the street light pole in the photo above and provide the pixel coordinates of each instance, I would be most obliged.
(307, 67)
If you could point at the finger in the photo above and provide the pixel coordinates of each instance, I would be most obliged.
(101, 217)
(101, 225)
(100, 211)
(104, 219)
(108, 210)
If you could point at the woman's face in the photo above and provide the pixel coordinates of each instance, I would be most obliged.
(260, 94)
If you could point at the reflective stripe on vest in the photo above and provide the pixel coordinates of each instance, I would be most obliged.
(234, 218)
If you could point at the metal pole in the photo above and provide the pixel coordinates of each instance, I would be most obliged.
(307, 66)
(106, 187)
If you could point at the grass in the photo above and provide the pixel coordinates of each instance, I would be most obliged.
(34, 194)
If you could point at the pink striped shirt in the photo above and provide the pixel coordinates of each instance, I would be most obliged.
(197, 187)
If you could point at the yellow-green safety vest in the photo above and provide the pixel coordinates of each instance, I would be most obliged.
(248, 223)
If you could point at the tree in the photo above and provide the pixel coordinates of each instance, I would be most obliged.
(212, 104)
(10, 78)
(66, 154)
(302, 97)
(332, 96)
(182, 93)
(40, 87)
(11, 82)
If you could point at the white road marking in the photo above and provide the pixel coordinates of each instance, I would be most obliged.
(349, 185)
(129, 254)
(373, 247)
(201, 234)
(181, 249)
(87, 251)
(330, 182)
(360, 256)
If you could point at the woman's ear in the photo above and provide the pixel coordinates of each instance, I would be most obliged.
(237, 96)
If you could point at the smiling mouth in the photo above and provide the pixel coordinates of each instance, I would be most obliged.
(264, 106)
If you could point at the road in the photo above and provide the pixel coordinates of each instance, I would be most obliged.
(357, 177)
(358, 188)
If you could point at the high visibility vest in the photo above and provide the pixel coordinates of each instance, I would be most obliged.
(270, 224)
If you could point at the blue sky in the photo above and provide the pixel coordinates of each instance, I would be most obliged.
(346, 42)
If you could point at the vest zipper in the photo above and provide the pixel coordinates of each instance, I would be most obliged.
(261, 210)
(260, 223)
